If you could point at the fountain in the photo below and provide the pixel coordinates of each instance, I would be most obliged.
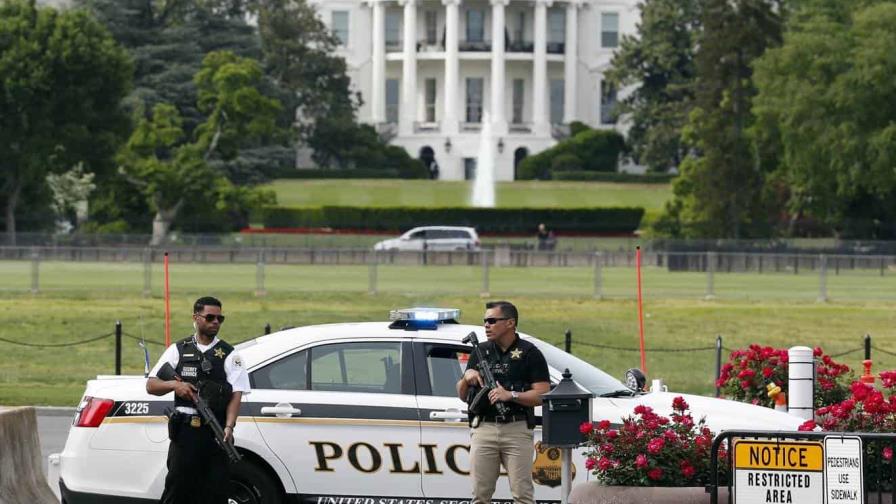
(484, 182)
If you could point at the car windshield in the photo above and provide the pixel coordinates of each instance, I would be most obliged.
(591, 378)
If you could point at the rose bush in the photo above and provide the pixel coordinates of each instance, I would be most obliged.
(652, 450)
(866, 410)
(745, 376)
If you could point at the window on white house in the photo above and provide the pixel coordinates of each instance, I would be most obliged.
(393, 29)
(609, 29)
(392, 97)
(432, 32)
(607, 103)
(557, 101)
(518, 96)
(475, 25)
(430, 85)
(474, 99)
(340, 26)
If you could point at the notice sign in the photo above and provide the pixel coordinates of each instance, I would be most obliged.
(843, 470)
(772, 472)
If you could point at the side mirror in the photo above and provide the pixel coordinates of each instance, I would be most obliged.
(635, 379)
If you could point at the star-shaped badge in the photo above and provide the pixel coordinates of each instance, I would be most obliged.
(516, 353)
(219, 353)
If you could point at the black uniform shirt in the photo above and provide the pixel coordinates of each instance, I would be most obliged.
(516, 369)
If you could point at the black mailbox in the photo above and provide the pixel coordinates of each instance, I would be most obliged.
(563, 410)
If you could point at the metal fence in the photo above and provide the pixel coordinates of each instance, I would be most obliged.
(599, 274)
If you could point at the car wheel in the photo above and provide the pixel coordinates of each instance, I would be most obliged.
(250, 484)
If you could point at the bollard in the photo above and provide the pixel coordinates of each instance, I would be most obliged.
(259, 276)
(598, 277)
(710, 273)
(372, 274)
(823, 279)
(147, 272)
(485, 286)
(568, 341)
(801, 382)
(718, 364)
(35, 271)
(117, 348)
(867, 347)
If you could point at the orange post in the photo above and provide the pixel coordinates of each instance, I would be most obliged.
(640, 310)
(167, 306)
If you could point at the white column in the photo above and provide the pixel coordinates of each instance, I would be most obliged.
(449, 117)
(378, 75)
(571, 61)
(409, 69)
(499, 120)
(540, 121)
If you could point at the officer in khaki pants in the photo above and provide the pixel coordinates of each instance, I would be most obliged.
(521, 373)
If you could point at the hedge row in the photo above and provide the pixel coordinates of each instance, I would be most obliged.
(327, 173)
(647, 178)
(512, 220)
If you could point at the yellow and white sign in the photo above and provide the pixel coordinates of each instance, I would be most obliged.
(843, 470)
(775, 472)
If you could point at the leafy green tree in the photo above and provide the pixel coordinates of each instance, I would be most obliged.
(825, 107)
(170, 171)
(658, 64)
(62, 79)
(721, 191)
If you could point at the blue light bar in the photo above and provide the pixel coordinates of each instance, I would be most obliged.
(425, 314)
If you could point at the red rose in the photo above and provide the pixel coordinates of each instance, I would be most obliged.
(655, 473)
(655, 445)
(767, 372)
(808, 425)
(604, 463)
(603, 425)
(679, 404)
(612, 434)
(586, 428)
(589, 463)
(641, 461)
(888, 453)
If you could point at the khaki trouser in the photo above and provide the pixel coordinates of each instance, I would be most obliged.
(493, 445)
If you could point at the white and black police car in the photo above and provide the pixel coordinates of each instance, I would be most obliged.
(351, 413)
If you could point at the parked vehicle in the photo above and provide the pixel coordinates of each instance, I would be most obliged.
(437, 238)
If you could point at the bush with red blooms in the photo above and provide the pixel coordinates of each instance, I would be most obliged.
(745, 376)
(866, 410)
(652, 450)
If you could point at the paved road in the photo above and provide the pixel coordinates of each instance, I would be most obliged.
(52, 427)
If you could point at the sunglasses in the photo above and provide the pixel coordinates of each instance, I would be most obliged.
(211, 317)
(493, 320)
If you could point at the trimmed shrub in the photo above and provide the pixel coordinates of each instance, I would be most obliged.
(647, 178)
(566, 162)
(512, 220)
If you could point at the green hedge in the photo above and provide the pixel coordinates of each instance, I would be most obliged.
(507, 220)
(597, 150)
(326, 173)
(647, 178)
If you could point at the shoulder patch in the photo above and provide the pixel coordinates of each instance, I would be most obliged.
(237, 361)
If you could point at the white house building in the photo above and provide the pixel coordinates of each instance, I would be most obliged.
(429, 69)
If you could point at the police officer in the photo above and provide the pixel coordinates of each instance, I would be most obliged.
(205, 365)
(521, 374)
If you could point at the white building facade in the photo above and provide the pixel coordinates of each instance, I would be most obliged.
(430, 70)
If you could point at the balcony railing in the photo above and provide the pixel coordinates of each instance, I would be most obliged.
(470, 126)
(426, 127)
(520, 46)
(556, 47)
(520, 127)
(479, 46)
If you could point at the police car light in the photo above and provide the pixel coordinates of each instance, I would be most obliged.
(425, 314)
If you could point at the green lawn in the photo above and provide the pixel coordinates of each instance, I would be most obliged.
(82, 300)
(535, 194)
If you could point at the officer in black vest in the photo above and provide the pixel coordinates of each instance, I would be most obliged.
(521, 373)
(197, 466)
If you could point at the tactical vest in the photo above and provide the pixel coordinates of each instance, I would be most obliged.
(211, 382)
(509, 372)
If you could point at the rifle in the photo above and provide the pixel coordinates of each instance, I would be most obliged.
(166, 372)
(480, 402)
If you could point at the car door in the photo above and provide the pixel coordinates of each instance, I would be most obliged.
(445, 434)
(415, 240)
(342, 418)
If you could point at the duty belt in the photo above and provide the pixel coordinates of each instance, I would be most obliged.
(504, 418)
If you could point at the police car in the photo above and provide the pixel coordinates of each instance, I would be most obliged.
(351, 413)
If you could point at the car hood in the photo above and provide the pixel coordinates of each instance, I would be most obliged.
(720, 414)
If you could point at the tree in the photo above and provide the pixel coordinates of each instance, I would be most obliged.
(62, 79)
(168, 170)
(825, 106)
(720, 192)
(71, 191)
(659, 64)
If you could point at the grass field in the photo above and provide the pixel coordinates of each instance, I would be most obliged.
(82, 300)
(535, 194)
